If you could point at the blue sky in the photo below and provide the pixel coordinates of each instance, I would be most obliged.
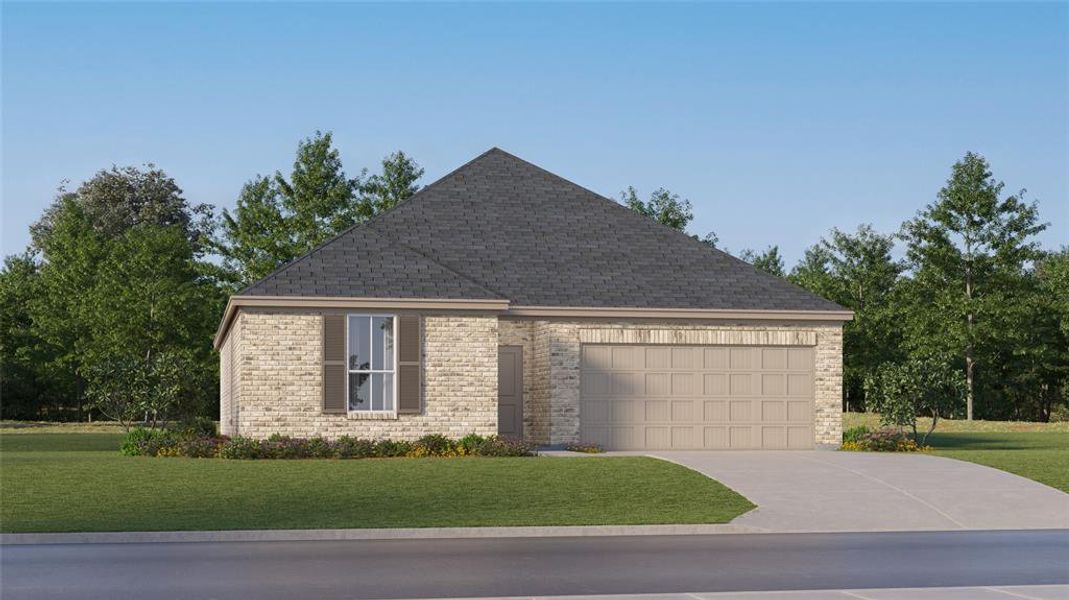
(778, 121)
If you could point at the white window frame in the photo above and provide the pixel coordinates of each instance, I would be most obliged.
(348, 371)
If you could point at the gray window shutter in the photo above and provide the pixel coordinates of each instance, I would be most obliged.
(409, 349)
(334, 371)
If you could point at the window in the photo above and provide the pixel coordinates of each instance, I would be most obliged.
(371, 352)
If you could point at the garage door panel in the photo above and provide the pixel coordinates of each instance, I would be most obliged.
(683, 438)
(716, 438)
(741, 384)
(799, 438)
(657, 384)
(716, 411)
(657, 411)
(800, 359)
(739, 437)
(597, 358)
(686, 384)
(716, 384)
(697, 397)
(716, 359)
(683, 411)
(800, 385)
(773, 410)
(774, 358)
(658, 358)
(774, 438)
(773, 384)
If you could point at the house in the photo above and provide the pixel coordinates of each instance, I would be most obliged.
(503, 299)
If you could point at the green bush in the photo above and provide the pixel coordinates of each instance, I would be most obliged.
(196, 427)
(884, 440)
(148, 442)
(499, 446)
(392, 448)
(141, 441)
(241, 448)
(854, 433)
(584, 447)
(350, 447)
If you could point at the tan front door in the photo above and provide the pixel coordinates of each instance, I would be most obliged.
(510, 391)
(696, 397)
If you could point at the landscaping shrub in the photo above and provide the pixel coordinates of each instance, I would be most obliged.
(884, 440)
(499, 446)
(196, 427)
(350, 447)
(158, 442)
(241, 448)
(584, 447)
(141, 441)
(854, 434)
(434, 444)
(392, 448)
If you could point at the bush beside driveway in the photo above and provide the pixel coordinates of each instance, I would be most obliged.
(54, 482)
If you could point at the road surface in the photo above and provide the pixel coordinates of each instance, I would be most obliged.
(529, 567)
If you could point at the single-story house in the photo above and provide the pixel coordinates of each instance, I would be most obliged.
(503, 299)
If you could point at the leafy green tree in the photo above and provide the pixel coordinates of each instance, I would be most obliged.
(148, 313)
(278, 219)
(663, 206)
(769, 261)
(397, 182)
(967, 252)
(926, 386)
(115, 200)
(857, 271)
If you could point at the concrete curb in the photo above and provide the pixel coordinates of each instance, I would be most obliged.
(312, 535)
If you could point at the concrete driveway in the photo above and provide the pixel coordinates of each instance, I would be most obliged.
(855, 491)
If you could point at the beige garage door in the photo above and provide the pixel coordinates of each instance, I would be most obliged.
(696, 397)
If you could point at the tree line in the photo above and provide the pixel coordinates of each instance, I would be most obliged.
(111, 310)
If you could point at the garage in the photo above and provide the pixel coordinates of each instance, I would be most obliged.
(661, 397)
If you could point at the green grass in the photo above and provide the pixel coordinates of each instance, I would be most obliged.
(1040, 456)
(78, 482)
(1038, 451)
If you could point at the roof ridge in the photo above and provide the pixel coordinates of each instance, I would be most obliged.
(452, 270)
(691, 239)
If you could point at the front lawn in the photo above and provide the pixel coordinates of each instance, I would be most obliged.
(1041, 456)
(78, 482)
(1038, 451)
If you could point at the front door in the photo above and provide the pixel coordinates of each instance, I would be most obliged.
(510, 391)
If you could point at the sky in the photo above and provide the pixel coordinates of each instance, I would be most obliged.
(777, 121)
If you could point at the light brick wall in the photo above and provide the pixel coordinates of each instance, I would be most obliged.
(551, 375)
(279, 379)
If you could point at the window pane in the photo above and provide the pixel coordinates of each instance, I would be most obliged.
(359, 343)
(387, 391)
(376, 343)
(385, 324)
(359, 394)
(376, 391)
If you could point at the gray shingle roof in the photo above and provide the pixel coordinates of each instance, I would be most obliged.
(500, 227)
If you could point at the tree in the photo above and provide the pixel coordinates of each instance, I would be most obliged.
(397, 182)
(278, 219)
(918, 386)
(768, 261)
(123, 197)
(110, 283)
(663, 206)
(150, 319)
(857, 271)
(966, 253)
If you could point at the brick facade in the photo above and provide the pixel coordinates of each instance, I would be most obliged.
(278, 379)
(552, 353)
(271, 380)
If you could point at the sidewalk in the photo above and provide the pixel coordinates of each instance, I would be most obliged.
(1018, 592)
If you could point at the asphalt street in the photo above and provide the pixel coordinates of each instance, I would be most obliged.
(533, 567)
